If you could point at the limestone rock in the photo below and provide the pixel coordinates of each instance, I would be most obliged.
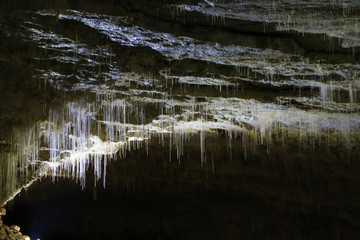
(12, 233)
(2, 211)
(2, 231)
(15, 228)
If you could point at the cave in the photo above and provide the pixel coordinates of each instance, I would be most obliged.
(179, 119)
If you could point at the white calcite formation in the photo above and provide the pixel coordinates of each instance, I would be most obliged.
(126, 110)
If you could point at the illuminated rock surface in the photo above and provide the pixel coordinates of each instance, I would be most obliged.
(12, 232)
(188, 99)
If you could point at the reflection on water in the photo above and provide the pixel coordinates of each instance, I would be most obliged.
(103, 91)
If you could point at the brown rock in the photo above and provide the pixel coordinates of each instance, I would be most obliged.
(7, 230)
(18, 235)
(2, 211)
(11, 233)
(2, 231)
(15, 228)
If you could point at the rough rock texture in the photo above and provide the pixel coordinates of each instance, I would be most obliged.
(231, 104)
(12, 232)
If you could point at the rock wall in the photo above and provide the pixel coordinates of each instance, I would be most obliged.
(12, 232)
